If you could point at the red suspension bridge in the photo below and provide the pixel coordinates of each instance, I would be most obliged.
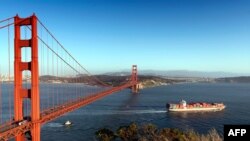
(45, 82)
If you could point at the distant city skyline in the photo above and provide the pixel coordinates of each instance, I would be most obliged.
(110, 36)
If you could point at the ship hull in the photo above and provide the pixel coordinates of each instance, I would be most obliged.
(196, 109)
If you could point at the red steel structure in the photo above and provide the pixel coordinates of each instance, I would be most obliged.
(12, 129)
(19, 92)
(135, 88)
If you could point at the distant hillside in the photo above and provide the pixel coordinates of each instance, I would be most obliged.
(242, 79)
(179, 73)
(144, 81)
(89, 80)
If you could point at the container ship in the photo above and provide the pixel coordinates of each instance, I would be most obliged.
(199, 106)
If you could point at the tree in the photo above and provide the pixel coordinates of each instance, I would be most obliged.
(105, 134)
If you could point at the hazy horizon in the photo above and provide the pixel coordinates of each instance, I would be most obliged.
(182, 72)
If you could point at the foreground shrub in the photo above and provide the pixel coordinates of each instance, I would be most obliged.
(150, 132)
(105, 134)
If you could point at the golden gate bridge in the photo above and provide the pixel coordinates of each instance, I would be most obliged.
(45, 82)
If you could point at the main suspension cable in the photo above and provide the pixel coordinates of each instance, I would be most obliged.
(104, 84)
(55, 53)
(6, 19)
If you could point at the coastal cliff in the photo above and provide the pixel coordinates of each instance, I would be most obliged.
(154, 81)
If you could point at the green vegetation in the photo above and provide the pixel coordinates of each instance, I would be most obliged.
(150, 132)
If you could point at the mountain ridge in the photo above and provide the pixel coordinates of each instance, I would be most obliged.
(179, 73)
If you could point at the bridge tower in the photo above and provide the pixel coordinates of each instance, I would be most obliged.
(134, 79)
(21, 93)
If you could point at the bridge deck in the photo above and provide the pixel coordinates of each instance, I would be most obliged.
(12, 129)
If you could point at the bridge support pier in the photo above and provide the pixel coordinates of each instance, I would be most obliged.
(135, 89)
(134, 80)
(20, 137)
(21, 93)
(36, 132)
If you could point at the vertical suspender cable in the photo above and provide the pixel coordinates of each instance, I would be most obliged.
(74, 79)
(68, 98)
(48, 86)
(76, 82)
(77, 86)
(41, 70)
(57, 101)
(9, 92)
(61, 74)
(1, 114)
(53, 85)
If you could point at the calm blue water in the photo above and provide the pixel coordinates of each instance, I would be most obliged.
(123, 108)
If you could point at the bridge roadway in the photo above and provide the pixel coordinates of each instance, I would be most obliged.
(12, 129)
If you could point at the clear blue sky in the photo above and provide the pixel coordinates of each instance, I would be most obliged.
(201, 35)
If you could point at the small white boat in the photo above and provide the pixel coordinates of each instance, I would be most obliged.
(67, 123)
